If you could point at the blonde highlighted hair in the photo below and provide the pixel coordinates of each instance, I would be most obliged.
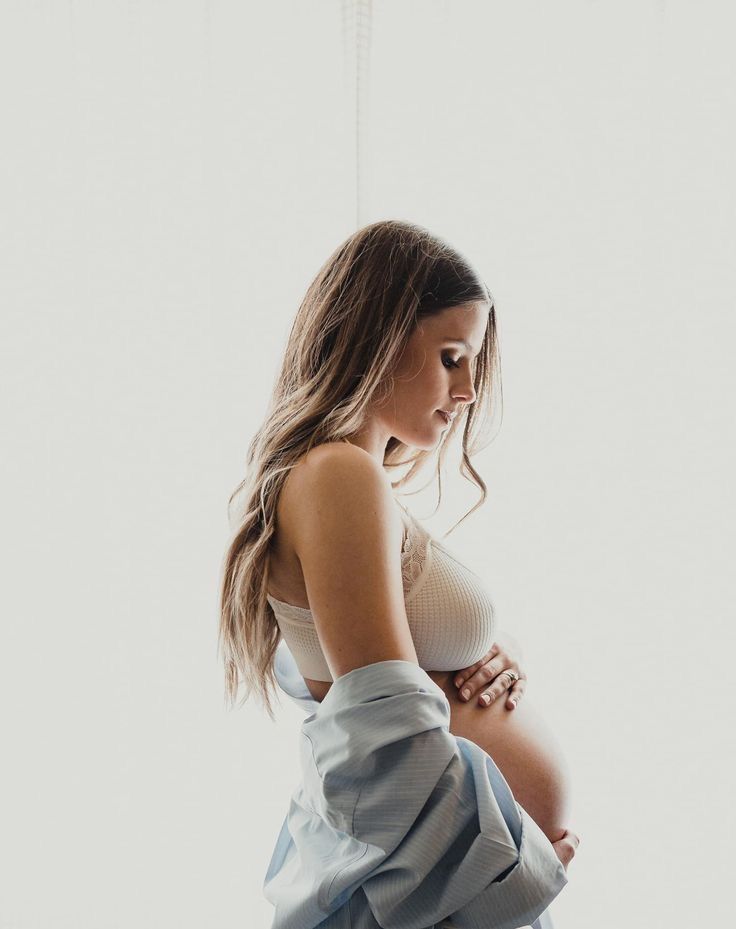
(346, 340)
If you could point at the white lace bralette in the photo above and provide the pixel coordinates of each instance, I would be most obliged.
(449, 610)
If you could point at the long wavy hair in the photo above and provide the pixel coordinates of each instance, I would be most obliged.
(345, 343)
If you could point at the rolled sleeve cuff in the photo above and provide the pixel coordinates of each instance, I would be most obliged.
(524, 893)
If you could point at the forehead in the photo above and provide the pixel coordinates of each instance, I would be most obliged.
(466, 323)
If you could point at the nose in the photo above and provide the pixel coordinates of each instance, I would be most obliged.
(463, 390)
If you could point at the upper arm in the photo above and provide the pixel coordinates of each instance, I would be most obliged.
(344, 535)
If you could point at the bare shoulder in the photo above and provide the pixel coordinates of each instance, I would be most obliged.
(338, 455)
(337, 476)
(344, 528)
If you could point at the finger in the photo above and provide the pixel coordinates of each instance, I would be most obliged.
(572, 845)
(482, 677)
(500, 685)
(464, 673)
(516, 693)
(565, 850)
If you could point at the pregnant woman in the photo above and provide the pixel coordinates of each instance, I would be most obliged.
(392, 353)
(436, 588)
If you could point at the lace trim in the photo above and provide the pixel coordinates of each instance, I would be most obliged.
(413, 553)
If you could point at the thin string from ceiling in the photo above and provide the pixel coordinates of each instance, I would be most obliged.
(356, 34)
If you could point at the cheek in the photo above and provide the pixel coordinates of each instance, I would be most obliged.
(431, 382)
(420, 382)
(421, 389)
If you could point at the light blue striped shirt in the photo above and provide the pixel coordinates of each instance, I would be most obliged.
(397, 823)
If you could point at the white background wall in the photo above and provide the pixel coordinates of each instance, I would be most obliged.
(173, 174)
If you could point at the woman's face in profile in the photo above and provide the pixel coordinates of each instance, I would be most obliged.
(435, 372)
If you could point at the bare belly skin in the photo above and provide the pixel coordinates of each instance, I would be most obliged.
(519, 742)
(524, 749)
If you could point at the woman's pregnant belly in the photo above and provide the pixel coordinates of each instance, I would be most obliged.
(523, 748)
(519, 742)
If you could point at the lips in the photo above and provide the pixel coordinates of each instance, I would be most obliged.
(446, 416)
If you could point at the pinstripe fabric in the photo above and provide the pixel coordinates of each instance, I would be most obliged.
(397, 823)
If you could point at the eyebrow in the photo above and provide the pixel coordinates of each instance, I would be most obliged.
(462, 342)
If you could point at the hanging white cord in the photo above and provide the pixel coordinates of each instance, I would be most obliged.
(356, 34)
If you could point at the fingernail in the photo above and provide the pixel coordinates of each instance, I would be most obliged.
(465, 693)
(458, 681)
(512, 702)
(486, 698)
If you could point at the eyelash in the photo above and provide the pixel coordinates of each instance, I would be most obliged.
(453, 363)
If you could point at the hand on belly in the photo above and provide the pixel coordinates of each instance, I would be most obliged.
(523, 748)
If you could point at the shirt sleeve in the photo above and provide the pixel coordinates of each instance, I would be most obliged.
(421, 821)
